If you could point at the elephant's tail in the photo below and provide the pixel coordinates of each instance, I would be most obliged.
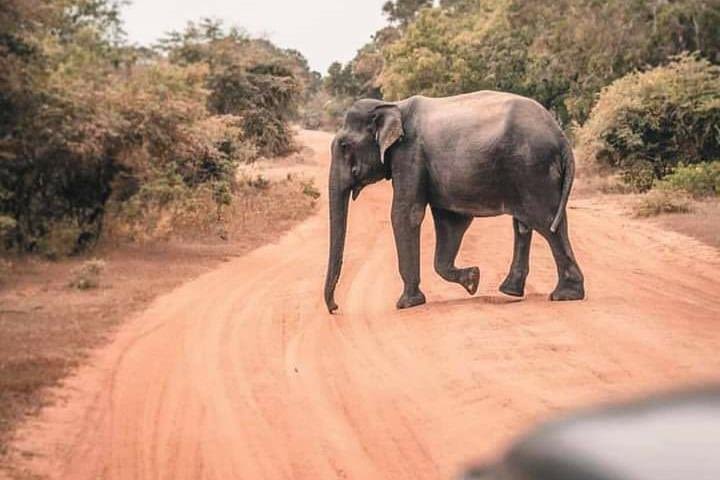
(567, 163)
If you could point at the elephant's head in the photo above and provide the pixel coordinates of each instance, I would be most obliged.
(358, 159)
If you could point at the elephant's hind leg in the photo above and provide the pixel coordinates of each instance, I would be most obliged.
(449, 230)
(514, 283)
(571, 283)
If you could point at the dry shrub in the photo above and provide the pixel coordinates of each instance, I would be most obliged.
(593, 182)
(309, 189)
(92, 125)
(6, 269)
(256, 181)
(614, 184)
(657, 202)
(87, 275)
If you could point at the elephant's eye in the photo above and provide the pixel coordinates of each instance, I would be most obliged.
(346, 148)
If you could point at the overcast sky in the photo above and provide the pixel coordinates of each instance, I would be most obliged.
(323, 30)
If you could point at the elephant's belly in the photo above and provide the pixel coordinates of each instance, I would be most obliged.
(478, 189)
(476, 205)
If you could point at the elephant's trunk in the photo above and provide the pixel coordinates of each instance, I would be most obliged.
(339, 199)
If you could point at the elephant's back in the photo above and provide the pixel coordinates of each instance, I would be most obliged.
(492, 128)
(488, 115)
(478, 148)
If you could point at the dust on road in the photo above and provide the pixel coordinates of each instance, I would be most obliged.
(243, 374)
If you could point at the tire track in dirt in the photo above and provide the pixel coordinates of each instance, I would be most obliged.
(241, 373)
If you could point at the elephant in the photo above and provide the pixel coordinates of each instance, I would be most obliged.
(478, 154)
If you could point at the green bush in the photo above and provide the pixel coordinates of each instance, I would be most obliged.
(264, 95)
(646, 123)
(7, 227)
(250, 78)
(63, 238)
(700, 180)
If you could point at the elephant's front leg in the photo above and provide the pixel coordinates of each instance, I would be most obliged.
(406, 221)
(450, 227)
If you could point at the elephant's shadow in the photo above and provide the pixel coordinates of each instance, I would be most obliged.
(492, 299)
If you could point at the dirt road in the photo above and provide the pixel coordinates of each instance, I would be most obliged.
(242, 373)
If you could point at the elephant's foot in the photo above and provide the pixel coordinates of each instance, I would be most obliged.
(568, 290)
(413, 299)
(470, 279)
(514, 285)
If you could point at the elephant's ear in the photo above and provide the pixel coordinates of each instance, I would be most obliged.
(388, 127)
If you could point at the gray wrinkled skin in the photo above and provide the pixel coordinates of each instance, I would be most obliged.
(474, 155)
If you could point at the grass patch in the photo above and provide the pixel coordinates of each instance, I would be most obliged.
(657, 202)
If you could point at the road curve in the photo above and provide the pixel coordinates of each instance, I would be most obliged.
(242, 374)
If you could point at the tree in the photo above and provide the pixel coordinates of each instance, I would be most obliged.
(402, 12)
(360, 77)
(340, 80)
(52, 161)
(559, 52)
(90, 125)
(248, 77)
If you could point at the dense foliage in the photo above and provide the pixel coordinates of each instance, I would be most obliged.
(699, 180)
(91, 128)
(404, 11)
(248, 77)
(95, 131)
(647, 123)
(560, 53)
